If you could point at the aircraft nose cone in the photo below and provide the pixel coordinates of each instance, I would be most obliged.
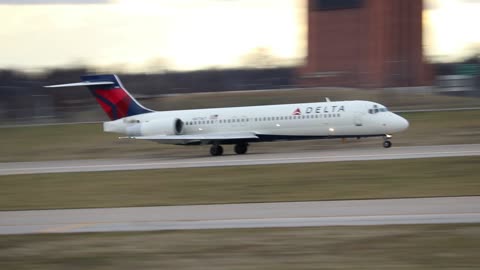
(401, 124)
(405, 124)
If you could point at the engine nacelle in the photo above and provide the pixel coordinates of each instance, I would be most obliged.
(171, 126)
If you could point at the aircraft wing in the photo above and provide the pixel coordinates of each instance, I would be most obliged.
(207, 137)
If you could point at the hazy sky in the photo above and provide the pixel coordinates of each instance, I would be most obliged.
(188, 34)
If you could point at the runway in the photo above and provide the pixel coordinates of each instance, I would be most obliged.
(376, 153)
(254, 215)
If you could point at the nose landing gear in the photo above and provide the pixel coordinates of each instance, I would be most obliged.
(386, 141)
(387, 144)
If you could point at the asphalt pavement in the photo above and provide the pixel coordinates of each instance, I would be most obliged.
(352, 154)
(253, 215)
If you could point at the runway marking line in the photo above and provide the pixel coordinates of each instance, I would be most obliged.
(370, 220)
(65, 226)
(186, 163)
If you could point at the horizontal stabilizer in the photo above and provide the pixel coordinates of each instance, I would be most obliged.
(79, 84)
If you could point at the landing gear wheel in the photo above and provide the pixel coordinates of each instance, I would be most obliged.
(241, 148)
(216, 150)
(387, 144)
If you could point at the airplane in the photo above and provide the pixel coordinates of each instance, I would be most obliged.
(239, 126)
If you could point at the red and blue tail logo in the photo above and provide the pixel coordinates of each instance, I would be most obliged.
(113, 97)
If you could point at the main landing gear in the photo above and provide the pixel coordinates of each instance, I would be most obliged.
(240, 149)
(386, 141)
(216, 150)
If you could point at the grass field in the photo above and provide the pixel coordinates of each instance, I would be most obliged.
(369, 247)
(270, 183)
(89, 141)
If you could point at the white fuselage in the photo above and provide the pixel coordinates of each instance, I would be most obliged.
(272, 122)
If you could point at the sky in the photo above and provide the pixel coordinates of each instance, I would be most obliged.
(141, 35)
(451, 28)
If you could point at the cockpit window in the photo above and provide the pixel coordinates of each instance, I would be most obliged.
(375, 109)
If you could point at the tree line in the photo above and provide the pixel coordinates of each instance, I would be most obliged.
(24, 99)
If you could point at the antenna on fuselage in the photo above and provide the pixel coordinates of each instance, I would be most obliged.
(327, 99)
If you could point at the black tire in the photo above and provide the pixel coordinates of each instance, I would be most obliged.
(216, 150)
(387, 144)
(241, 148)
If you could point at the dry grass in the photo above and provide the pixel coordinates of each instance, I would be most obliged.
(288, 182)
(370, 247)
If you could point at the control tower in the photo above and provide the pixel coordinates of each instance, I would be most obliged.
(364, 43)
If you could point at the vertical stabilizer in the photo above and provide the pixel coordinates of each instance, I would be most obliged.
(114, 99)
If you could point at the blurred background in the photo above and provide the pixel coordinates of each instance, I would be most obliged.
(164, 48)
(419, 58)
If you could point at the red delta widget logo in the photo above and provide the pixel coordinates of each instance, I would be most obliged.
(297, 112)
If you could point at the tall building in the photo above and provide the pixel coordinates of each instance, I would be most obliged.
(364, 43)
